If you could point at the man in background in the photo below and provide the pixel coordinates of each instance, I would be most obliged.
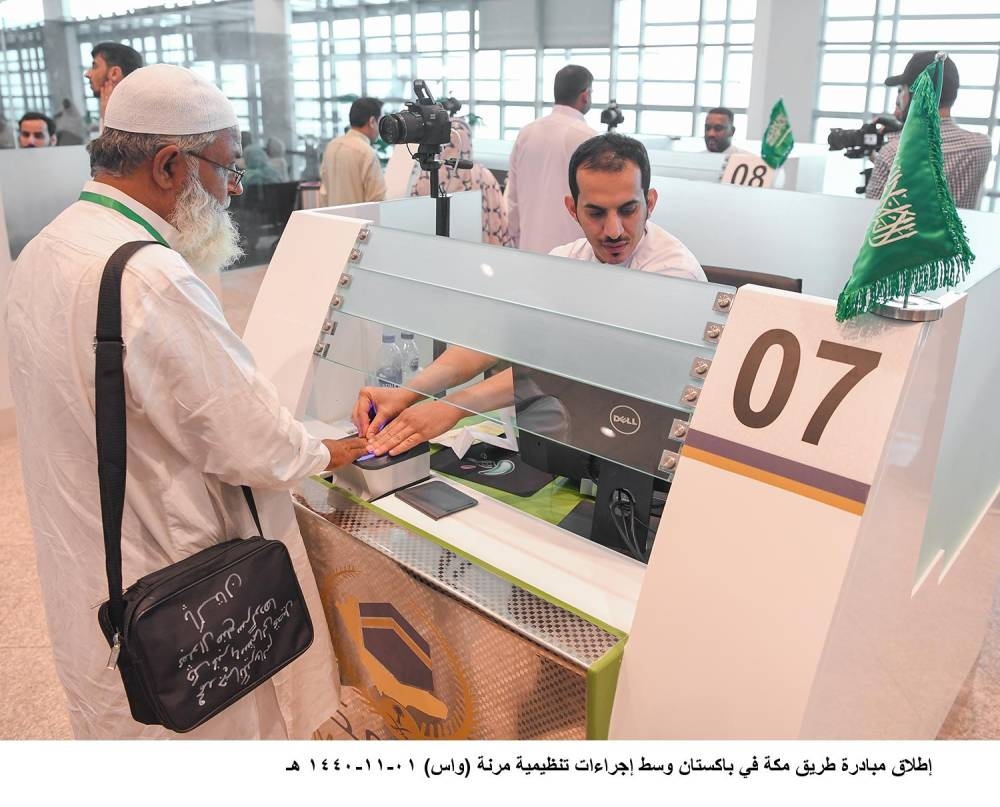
(536, 182)
(719, 131)
(351, 172)
(35, 131)
(967, 154)
(112, 61)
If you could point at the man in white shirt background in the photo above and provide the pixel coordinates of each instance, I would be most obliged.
(609, 194)
(536, 181)
(719, 131)
(351, 172)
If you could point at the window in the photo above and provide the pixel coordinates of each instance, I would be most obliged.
(670, 61)
(676, 60)
(24, 83)
(864, 41)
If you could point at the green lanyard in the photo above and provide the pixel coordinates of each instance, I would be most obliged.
(114, 204)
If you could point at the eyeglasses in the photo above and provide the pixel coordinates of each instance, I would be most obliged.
(239, 174)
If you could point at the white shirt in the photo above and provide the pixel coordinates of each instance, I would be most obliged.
(538, 181)
(351, 172)
(200, 419)
(657, 252)
(731, 150)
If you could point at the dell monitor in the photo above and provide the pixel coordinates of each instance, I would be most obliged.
(581, 431)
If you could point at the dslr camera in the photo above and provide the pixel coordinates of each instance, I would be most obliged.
(424, 122)
(865, 141)
(612, 116)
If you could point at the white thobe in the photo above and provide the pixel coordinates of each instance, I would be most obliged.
(538, 180)
(657, 252)
(200, 419)
(731, 150)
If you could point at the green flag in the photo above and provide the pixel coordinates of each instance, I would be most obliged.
(916, 242)
(778, 141)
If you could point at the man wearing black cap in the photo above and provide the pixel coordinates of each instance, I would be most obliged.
(966, 154)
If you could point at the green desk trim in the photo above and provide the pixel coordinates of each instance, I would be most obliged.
(602, 682)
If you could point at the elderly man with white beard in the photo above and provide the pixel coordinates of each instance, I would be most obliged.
(200, 419)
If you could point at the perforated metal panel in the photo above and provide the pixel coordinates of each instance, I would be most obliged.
(418, 662)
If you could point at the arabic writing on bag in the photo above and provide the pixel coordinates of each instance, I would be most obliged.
(232, 641)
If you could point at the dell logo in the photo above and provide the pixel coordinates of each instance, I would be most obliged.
(625, 420)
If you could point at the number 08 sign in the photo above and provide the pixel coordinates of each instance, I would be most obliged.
(747, 170)
(800, 402)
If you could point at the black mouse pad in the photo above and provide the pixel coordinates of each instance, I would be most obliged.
(494, 467)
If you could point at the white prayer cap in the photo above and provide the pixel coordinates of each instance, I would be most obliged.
(165, 99)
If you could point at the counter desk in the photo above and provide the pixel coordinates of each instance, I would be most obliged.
(826, 557)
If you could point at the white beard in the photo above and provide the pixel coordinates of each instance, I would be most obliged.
(208, 239)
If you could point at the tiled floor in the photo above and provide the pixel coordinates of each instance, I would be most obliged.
(32, 705)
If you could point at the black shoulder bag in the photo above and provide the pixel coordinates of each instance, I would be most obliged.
(193, 638)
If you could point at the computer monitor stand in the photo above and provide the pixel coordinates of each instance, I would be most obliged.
(595, 520)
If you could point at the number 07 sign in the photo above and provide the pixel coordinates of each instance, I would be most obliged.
(780, 462)
(808, 402)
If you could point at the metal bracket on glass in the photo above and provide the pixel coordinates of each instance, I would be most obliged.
(364, 234)
(700, 367)
(355, 255)
(713, 332)
(679, 430)
(690, 395)
(344, 281)
(723, 302)
(668, 462)
(322, 348)
(338, 301)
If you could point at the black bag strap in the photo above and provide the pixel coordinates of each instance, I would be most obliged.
(109, 406)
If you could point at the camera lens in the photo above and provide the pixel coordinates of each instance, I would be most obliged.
(400, 127)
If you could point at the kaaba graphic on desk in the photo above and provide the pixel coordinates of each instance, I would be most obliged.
(598, 421)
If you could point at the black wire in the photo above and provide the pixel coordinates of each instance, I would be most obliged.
(622, 500)
(622, 507)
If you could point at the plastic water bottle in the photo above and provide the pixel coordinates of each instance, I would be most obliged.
(411, 355)
(389, 363)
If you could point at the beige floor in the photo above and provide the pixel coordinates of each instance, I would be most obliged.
(32, 705)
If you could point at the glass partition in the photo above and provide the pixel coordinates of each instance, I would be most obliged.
(417, 214)
(632, 332)
(597, 367)
(29, 206)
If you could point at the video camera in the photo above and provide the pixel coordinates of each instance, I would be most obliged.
(424, 122)
(865, 141)
(612, 116)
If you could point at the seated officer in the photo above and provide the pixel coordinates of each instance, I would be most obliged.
(610, 197)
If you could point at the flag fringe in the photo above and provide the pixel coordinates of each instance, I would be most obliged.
(926, 106)
(912, 280)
